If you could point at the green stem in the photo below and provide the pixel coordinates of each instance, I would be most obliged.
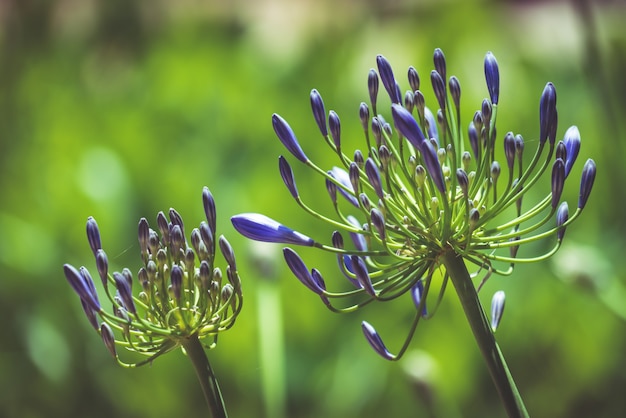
(205, 374)
(477, 319)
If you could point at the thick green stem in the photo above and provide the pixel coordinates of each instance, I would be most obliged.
(477, 319)
(205, 374)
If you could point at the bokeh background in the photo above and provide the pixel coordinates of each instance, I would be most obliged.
(121, 108)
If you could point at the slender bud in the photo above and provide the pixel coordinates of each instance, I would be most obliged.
(287, 175)
(547, 112)
(586, 182)
(417, 293)
(90, 314)
(455, 91)
(509, 149)
(373, 175)
(362, 275)
(227, 252)
(144, 235)
(108, 338)
(492, 76)
(558, 181)
(414, 79)
(261, 228)
(209, 207)
(83, 289)
(319, 113)
(461, 177)
(379, 222)
(388, 79)
(439, 87)
(440, 62)
(375, 341)
(431, 125)
(102, 264)
(335, 128)
(364, 115)
(125, 291)
(561, 151)
(473, 139)
(343, 178)
(93, 235)
(300, 270)
(562, 214)
(572, 145)
(495, 171)
(176, 277)
(354, 177)
(497, 309)
(372, 86)
(287, 137)
(409, 102)
(337, 240)
(163, 228)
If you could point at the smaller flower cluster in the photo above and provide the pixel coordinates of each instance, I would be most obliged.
(181, 293)
(423, 188)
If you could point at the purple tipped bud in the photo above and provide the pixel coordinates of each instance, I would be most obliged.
(378, 221)
(420, 102)
(405, 123)
(90, 314)
(319, 113)
(439, 87)
(375, 341)
(561, 151)
(519, 147)
(93, 235)
(547, 112)
(358, 158)
(463, 180)
(176, 277)
(206, 233)
(372, 87)
(82, 287)
(495, 171)
(558, 181)
(492, 76)
(486, 111)
(227, 252)
(373, 175)
(102, 264)
(144, 235)
(509, 149)
(335, 128)
(287, 137)
(388, 79)
(562, 214)
(108, 338)
(125, 291)
(360, 271)
(440, 62)
(163, 228)
(455, 91)
(364, 115)
(586, 182)
(473, 139)
(365, 202)
(209, 207)
(287, 175)
(318, 280)
(431, 125)
(572, 145)
(261, 228)
(414, 79)
(177, 220)
(377, 130)
(332, 190)
(429, 154)
(337, 240)
(300, 270)
(409, 100)
(497, 309)
(354, 177)
(417, 293)
(357, 239)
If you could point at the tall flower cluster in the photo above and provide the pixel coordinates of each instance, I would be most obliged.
(181, 294)
(426, 185)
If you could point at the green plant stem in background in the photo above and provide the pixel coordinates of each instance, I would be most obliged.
(481, 329)
(205, 374)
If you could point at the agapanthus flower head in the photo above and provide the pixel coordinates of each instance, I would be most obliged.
(420, 191)
(179, 292)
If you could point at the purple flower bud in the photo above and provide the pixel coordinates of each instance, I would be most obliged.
(405, 123)
(102, 264)
(144, 235)
(90, 314)
(343, 178)
(439, 87)
(335, 128)
(561, 151)
(492, 76)
(176, 277)
(318, 280)
(364, 115)
(358, 158)
(414, 79)
(420, 101)
(375, 341)
(486, 111)
(547, 112)
(360, 271)
(332, 190)
(388, 79)
(300, 270)
(319, 113)
(495, 171)
(287, 137)
(463, 180)
(125, 291)
(337, 240)
(372, 87)
(429, 154)
(562, 214)
(108, 338)
(209, 207)
(287, 175)
(261, 228)
(384, 155)
(558, 181)
(227, 252)
(417, 292)
(377, 130)
(177, 220)
(206, 233)
(354, 176)
(455, 91)
(473, 139)
(440, 62)
(163, 227)
(497, 309)
(586, 182)
(93, 235)
(378, 221)
(509, 149)
(81, 285)
(409, 100)
(431, 125)
(373, 175)
(572, 145)
(519, 147)
(365, 202)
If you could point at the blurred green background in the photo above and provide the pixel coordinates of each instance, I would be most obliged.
(121, 108)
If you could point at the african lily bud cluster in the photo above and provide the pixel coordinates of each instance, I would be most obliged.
(424, 184)
(178, 292)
